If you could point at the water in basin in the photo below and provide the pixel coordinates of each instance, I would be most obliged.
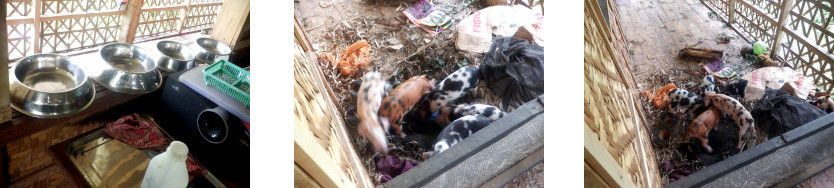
(128, 64)
(54, 80)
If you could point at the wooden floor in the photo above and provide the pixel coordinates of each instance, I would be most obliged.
(657, 29)
(822, 179)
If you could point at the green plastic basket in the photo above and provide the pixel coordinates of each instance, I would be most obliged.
(230, 79)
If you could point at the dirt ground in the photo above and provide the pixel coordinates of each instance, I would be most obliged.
(400, 50)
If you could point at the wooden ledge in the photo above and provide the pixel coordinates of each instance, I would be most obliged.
(23, 125)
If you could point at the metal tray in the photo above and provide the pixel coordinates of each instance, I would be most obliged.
(107, 162)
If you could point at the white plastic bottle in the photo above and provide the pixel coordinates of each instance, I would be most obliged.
(168, 168)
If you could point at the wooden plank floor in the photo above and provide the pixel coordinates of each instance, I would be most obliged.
(657, 29)
(822, 179)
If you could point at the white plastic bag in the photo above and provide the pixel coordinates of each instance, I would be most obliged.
(775, 78)
(475, 31)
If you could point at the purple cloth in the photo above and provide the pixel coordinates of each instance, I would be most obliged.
(390, 167)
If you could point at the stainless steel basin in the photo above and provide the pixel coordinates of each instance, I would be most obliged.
(210, 50)
(174, 57)
(125, 68)
(49, 85)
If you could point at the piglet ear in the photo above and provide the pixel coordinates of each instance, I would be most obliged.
(433, 83)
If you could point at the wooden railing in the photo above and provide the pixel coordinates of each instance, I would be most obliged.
(798, 31)
(165, 17)
(64, 25)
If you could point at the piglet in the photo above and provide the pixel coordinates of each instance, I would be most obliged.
(450, 89)
(457, 131)
(450, 113)
(734, 109)
(707, 85)
(681, 98)
(701, 125)
(402, 99)
(827, 104)
(371, 126)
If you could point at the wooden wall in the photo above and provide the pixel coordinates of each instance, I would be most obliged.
(29, 161)
(618, 150)
(322, 147)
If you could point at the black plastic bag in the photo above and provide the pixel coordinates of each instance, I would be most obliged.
(514, 69)
(778, 112)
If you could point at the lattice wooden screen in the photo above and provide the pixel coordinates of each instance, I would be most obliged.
(20, 40)
(71, 33)
(62, 7)
(166, 17)
(19, 32)
(205, 1)
(806, 41)
(18, 8)
(163, 3)
(155, 23)
(810, 41)
(70, 24)
(201, 16)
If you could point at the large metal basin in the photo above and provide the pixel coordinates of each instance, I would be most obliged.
(126, 68)
(49, 85)
(210, 50)
(174, 57)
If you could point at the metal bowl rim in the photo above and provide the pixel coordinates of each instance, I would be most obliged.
(120, 90)
(83, 70)
(109, 66)
(143, 50)
(209, 39)
(73, 112)
(182, 45)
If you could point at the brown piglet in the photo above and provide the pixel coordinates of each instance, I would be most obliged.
(402, 99)
(701, 125)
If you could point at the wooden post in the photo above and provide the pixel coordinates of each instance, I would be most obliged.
(731, 12)
(230, 22)
(184, 15)
(780, 27)
(36, 24)
(127, 30)
(5, 109)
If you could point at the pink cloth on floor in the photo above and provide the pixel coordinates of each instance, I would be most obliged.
(391, 166)
(141, 133)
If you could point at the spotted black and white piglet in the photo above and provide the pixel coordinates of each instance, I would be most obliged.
(448, 90)
(734, 109)
(371, 126)
(457, 131)
(680, 98)
(707, 85)
(453, 87)
(450, 113)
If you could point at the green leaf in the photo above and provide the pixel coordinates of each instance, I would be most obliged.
(461, 63)
(435, 63)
